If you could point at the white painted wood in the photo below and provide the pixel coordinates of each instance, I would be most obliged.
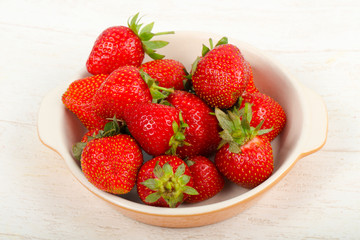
(46, 43)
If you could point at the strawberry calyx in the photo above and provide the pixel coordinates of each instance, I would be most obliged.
(189, 162)
(111, 128)
(168, 185)
(157, 92)
(193, 68)
(178, 139)
(205, 49)
(236, 127)
(145, 35)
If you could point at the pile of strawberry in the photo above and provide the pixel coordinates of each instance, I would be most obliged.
(180, 119)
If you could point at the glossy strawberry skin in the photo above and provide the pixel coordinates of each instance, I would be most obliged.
(221, 76)
(78, 98)
(112, 163)
(151, 125)
(168, 72)
(147, 171)
(203, 131)
(249, 168)
(123, 87)
(266, 108)
(115, 47)
(208, 181)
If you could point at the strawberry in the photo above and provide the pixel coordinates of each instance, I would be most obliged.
(155, 127)
(164, 181)
(168, 72)
(78, 99)
(250, 167)
(221, 75)
(120, 46)
(123, 87)
(111, 163)
(208, 181)
(202, 133)
(109, 160)
(265, 108)
(111, 128)
(245, 155)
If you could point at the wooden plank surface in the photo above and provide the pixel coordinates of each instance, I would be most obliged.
(46, 43)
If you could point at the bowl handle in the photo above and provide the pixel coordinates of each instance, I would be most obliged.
(49, 120)
(316, 121)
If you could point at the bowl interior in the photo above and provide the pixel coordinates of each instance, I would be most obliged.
(268, 78)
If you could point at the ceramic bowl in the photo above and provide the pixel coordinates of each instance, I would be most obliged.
(305, 132)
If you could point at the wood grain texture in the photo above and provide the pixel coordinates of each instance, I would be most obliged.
(46, 43)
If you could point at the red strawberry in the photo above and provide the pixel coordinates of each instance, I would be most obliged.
(78, 99)
(208, 181)
(123, 87)
(111, 128)
(245, 157)
(109, 160)
(251, 166)
(154, 126)
(221, 75)
(112, 163)
(120, 46)
(164, 181)
(202, 135)
(266, 108)
(168, 72)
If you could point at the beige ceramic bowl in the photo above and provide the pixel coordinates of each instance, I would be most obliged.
(305, 133)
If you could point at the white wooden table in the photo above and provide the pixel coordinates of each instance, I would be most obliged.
(45, 43)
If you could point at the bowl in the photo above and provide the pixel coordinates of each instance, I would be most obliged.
(305, 133)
